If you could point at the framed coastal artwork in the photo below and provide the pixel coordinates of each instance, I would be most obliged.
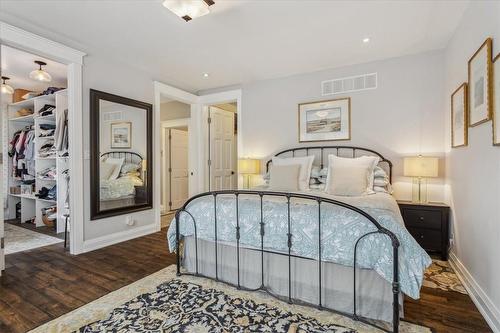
(496, 100)
(121, 135)
(480, 85)
(325, 120)
(459, 124)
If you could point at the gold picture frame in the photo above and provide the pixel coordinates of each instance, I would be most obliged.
(479, 73)
(327, 120)
(121, 135)
(459, 107)
(496, 100)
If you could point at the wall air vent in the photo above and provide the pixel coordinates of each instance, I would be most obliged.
(349, 84)
(112, 116)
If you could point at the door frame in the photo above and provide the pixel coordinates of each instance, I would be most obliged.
(198, 134)
(176, 94)
(73, 59)
(183, 122)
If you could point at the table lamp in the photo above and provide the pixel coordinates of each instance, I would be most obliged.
(420, 168)
(248, 167)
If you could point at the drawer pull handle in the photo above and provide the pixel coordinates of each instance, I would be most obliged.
(421, 218)
(421, 236)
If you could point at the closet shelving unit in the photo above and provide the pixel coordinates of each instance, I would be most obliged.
(31, 205)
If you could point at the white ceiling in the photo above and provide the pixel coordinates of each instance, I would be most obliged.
(240, 41)
(17, 65)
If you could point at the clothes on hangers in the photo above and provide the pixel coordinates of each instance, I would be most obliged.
(61, 132)
(21, 150)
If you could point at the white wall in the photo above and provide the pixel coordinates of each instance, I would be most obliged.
(403, 116)
(473, 172)
(174, 110)
(112, 77)
(137, 118)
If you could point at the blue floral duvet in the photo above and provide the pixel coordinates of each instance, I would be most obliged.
(340, 229)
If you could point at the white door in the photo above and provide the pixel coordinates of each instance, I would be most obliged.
(179, 173)
(222, 165)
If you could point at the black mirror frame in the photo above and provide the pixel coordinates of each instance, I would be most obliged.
(95, 212)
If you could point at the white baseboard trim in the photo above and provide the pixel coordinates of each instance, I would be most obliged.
(476, 293)
(100, 242)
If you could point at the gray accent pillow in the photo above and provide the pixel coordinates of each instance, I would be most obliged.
(285, 178)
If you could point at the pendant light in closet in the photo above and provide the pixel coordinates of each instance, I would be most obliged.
(39, 74)
(5, 88)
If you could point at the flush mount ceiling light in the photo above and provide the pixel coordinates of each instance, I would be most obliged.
(5, 88)
(366, 40)
(188, 9)
(39, 74)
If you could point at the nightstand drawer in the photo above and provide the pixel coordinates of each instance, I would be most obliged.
(422, 218)
(429, 240)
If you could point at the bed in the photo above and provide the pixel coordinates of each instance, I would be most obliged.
(302, 246)
(120, 192)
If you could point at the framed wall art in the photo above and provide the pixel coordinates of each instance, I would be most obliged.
(480, 85)
(459, 125)
(496, 100)
(325, 120)
(121, 135)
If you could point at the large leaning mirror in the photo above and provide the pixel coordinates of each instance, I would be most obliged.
(121, 151)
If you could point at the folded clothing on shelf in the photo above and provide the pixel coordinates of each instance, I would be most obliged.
(49, 173)
(47, 110)
(45, 133)
(51, 90)
(47, 149)
(47, 194)
(24, 112)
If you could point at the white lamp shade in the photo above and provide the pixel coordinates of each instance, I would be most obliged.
(420, 166)
(40, 75)
(6, 89)
(187, 8)
(249, 166)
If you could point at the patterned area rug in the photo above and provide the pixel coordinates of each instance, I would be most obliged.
(19, 239)
(440, 275)
(163, 302)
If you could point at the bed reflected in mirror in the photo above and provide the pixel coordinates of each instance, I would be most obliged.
(121, 153)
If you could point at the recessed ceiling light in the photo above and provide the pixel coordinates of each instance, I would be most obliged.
(206, 75)
(188, 9)
(366, 40)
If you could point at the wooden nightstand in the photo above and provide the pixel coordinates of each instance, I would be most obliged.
(429, 224)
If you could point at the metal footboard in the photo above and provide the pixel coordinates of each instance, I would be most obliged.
(288, 196)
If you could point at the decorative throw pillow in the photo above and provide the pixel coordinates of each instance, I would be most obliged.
(350, 176)
(285, 177)
(118, 162)
(129, 167)
(105, 170)
(305, 168)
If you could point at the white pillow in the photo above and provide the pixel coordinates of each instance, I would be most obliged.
(105, 170)
(118, 162)
(350, 176)
(349, 182)
(305, 163)
(285, 177)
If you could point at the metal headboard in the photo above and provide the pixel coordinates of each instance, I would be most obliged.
(351, 152)
(128, 156)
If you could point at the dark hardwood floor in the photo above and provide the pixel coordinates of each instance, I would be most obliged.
(42, 284)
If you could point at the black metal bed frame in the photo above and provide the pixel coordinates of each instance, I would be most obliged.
(289, 196)
(128, 156)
